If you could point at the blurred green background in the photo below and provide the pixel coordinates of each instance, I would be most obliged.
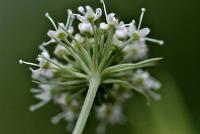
(23, 26)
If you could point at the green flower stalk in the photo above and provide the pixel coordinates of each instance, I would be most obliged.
(97, 68)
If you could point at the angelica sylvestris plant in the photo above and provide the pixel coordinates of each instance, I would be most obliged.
(97, 68)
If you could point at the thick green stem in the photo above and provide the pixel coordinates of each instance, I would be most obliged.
(85, 111)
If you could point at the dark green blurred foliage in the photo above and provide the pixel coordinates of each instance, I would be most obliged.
(23, 26)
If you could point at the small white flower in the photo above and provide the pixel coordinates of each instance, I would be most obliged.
(116, 116)
(89, 14)
(136, 51)
(131, 28)
(121, 94)
(56, 119)
(110, 18)
(70, 111)
(68, 115)
(59, 33)
(121, 31)
(44, 71)
(44, 53)
(146, 82)
(111, 113)
(61, 99)
(41, 73)
(44, 94)
(103, 54)
(139, 34)
(101, 112)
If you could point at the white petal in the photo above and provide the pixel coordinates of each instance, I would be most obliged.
(89, 11)
(61, 99)
(121, 25)
(51, 33)
(82, 18)
(48, 73)
(81, 9)
(98, 13)
(141, 51)
(131, 29)
(70, 116)
(45, 87)
(48, 42)
(34, 90)
(71, 30)
(116, 116)
(144, 32)
(154, 95)
(43, 96)
(57, 118)
(110, 18)
(61, 25)
(37, 106)
(36, 74)
(45, 54)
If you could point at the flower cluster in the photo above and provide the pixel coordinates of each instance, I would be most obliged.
(99, 67)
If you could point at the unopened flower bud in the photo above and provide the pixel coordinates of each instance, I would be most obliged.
(121, 34)
(104, 27)
(85, 28)
(79, 38)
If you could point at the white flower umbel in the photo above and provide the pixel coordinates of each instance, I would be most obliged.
(93, 65)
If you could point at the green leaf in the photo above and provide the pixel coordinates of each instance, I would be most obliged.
(130, 66)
